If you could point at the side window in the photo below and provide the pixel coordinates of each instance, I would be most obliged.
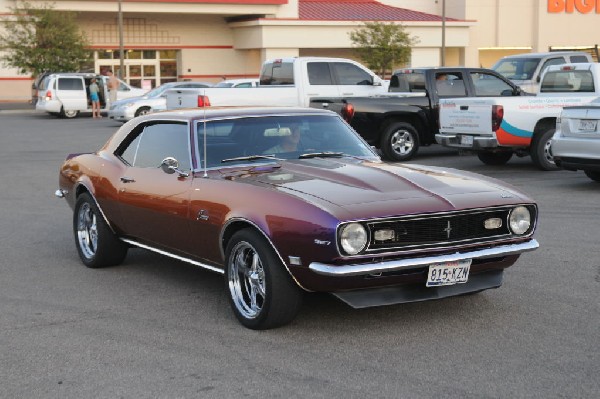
(244, 85)
(450, 85)
(486, 84)
(552, 61)
(277, 73)
(350, 74)
(578, 59)
(123, 87)
(319, 73)
(70, 84)
(157, 142)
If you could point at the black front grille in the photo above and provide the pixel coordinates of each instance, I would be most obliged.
(440, 230)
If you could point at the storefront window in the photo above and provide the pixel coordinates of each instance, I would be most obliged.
(168, 54)
(149, 54)
(134, 54)
(106, 55)
(168, 68)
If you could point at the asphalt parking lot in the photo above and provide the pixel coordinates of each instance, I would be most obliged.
(158, 328)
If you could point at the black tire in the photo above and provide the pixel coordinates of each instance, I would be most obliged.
(261, 292)
(399, 141)
(595, 176)
(96, 244)
(142, 111)
(494, 158)
(541, 155)
(68, 114)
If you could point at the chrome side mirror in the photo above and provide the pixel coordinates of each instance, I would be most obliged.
(170, 165)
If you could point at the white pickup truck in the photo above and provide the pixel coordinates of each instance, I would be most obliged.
(288, 82)
(496, 128)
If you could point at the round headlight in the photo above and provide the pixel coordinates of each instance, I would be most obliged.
(353, 238)
(519, 220)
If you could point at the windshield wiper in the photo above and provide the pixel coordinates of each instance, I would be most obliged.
(250, 158)
(324, 154)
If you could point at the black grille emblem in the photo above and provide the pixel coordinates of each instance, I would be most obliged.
(448, 230)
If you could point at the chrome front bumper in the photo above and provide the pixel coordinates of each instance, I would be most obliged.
(453, 140)
(404, 264)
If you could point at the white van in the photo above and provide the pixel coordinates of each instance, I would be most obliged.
(67, 94)
(525, 70)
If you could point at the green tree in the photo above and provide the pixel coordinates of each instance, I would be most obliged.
(41, 39)
(382, 46)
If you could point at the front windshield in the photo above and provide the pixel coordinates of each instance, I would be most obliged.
(272, 138)
(517, 68)
(156, 92)
(224, 84)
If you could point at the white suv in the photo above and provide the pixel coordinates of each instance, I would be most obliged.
(67, 94)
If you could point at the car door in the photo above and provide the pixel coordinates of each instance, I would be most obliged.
(354, 81)
(71, 92)
(321, 82)
(155, 204)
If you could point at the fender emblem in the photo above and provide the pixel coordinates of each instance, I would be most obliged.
(321, 242)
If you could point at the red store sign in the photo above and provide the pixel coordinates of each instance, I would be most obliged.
(569, 6)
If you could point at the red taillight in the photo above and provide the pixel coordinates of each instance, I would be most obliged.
(348, 112)
(203, 101)
(49, 95)
(497, 116)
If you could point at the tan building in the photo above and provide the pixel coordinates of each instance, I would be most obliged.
(166, 40)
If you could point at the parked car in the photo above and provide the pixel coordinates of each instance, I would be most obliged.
(152, 101)
(406, 118)
(238, 83)
(211, 187)
(496, 128)
(576, 143)
(67, 94)
(526, 70)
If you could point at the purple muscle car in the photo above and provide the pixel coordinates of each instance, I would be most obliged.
(285, 201)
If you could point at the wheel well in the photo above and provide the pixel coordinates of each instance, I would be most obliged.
(231, 229)
(411, 119)
(80, 190)
(543, 125)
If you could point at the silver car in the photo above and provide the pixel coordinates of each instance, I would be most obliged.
(125, 110)
(576, 143)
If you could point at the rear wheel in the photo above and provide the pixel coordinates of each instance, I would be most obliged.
(68, 114)
(261, 292)
(495, 158)
(142, 111)
(399, 141)
(96, 244)
(540, 151)
(595, 176)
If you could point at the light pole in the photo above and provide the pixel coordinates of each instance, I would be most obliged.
(121, 46)
(443, 60)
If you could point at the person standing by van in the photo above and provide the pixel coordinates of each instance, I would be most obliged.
(95, 98)
(113, 86)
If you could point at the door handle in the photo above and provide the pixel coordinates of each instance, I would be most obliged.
(347, 94)
(126, 179)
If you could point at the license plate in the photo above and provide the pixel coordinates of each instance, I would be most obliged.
(586, 125)
(448, 273)
(466, 140)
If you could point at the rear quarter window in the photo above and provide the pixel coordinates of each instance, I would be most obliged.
(70, 84)
(277, 74)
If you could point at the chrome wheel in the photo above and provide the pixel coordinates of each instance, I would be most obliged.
(548, 153)
(246, 280)
(402, 142)
(87, 231)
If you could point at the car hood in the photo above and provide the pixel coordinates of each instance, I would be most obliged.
(375, 189)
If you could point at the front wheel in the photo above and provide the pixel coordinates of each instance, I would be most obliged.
(261, 292)
(495, 158)
(595, 176)
(96, 244)
(399, 141)
(142, 111)
(541, 153)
